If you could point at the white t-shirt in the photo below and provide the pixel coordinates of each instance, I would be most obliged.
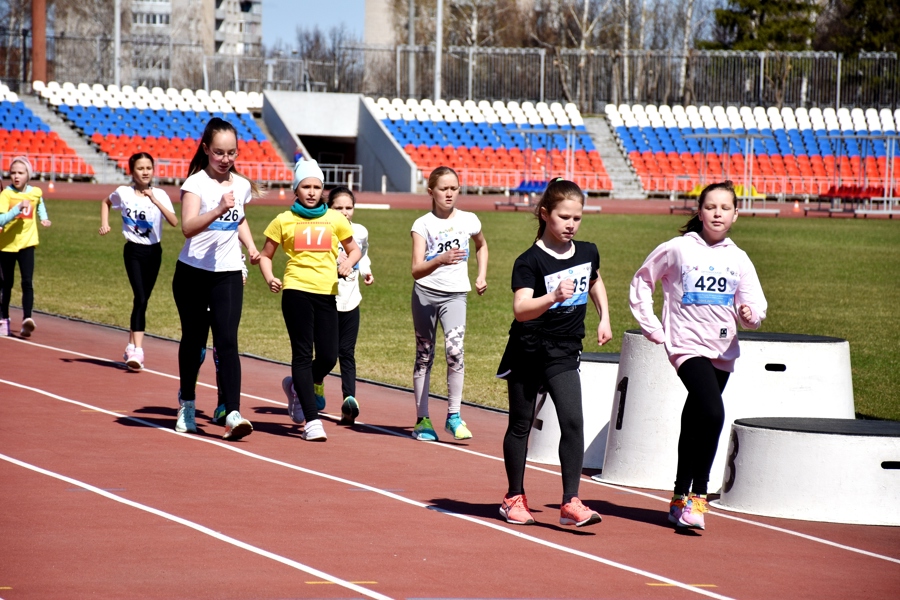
(348, 296)
(141, 219)
(217, 248)
(442, 235)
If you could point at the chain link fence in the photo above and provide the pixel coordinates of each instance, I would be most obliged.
(589, 78)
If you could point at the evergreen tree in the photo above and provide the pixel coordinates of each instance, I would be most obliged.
(850, 26)
(764, 25)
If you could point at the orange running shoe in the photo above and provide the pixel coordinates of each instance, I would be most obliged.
(576, 513)
(515, 510)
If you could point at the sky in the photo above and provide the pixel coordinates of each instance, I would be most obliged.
(282, 17)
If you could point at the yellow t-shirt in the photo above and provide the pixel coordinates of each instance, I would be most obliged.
(312, 249)
(22, 231)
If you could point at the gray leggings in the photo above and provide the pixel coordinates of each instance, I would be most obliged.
(429, 306)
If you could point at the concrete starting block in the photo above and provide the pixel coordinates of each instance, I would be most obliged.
(777, 375)
(598, 382)
(832, 470)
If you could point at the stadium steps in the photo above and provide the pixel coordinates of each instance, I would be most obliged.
(105, 170)
(625, 182)
(288, 160)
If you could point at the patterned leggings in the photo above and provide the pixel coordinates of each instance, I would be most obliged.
(429, 306)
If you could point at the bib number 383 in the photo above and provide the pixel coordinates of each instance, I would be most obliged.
(312, 237)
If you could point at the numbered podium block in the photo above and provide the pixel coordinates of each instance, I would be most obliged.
(795, 469)
(777, 375)
(598, 382)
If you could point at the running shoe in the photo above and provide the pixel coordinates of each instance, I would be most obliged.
(676, 507)
(27, 327)
(692, 515)
(457, 427)
(134, 360)
(349, 411)
(424, 431)
(4, 327)
(236, 426)
(219, 415)
(295, 412)
(314, 432)
(186, 422)
(129, 349)
(576, 513)
(515, 510)
(319, 391)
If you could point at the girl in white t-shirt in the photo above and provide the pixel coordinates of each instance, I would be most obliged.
(208, 286)
(143, 209)
(440, 251)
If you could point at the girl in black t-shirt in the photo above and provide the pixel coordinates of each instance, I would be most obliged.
(552, 282)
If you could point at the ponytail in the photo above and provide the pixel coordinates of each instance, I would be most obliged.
(201, 160)
(694, 224)
(558, 190)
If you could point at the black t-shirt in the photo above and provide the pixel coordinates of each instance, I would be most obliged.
(538, 270)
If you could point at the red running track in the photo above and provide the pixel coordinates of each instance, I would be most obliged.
(102, 499)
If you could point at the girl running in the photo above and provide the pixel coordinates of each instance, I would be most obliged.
(143, 209)
(18, 238)
(208, 272)
(342, 200)
(309, 234)
(440, 254)
(709, 287)
(552, 282)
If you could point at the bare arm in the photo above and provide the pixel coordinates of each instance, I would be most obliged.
(265, 265)
(246, 238)
(192, 222)
(526, 307)
(481, 256)
(104, 216)
(597, 293)
(353, 256)
(422, 268)
(169, 215)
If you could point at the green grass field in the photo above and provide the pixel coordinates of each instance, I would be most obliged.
(821, 276)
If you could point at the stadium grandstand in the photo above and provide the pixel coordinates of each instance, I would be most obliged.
(165, 123)
(795, 152)
(24, 133)
(499, 145)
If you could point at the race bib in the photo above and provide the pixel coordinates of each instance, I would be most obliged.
(580, 274)
(708, 284)
(312, 237)
(227, 222)
(449, 244)
(136, 221)
(27, 212)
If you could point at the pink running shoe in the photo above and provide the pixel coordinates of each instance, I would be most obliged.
(134, 359)
(576, 513)
(692, 516)
(515, 510)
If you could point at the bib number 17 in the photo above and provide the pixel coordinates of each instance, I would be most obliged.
(312, 238)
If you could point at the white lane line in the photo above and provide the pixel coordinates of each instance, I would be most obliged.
(588, 480)
(200, 528)
(385, 493)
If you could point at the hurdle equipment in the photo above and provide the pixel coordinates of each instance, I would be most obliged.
(797, 468)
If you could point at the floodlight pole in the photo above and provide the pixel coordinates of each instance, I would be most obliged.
(117, 32)
(438, 49)
(411, 42)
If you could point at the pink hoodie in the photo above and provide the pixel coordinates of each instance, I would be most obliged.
(702, 319)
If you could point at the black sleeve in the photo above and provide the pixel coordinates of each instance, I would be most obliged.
(523, 274)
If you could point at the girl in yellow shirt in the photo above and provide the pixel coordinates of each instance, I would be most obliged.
(309, 234)
(19, 203)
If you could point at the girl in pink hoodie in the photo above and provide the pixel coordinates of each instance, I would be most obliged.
(709, 286)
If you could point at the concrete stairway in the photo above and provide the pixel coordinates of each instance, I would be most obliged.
(105, 170)
(625, 182)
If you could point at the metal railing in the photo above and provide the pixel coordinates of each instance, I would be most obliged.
(52, 166)
(589, 78)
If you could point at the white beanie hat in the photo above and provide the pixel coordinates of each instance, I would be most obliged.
(307, 168)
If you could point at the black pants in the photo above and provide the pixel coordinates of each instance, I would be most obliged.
(348, 332)
(701, 424)
(565, 389)
(208, 299)
(142, 264)
(8, 260)
(312, 322)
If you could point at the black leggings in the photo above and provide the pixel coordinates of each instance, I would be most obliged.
(348, 332)
(565, 390)
(142, 264)
(8, 260)
(701, 423)
(312, 322)
(222, 293)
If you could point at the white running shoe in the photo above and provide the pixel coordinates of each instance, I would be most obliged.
(314, 432)
(295, 412)
(236, 426)
(186, 422)
(27, 327)
(134, 360)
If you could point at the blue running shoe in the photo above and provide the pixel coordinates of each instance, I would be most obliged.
(457, 427)
(424, 431)
(219, 415)
(319, 391)
(349, 411)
